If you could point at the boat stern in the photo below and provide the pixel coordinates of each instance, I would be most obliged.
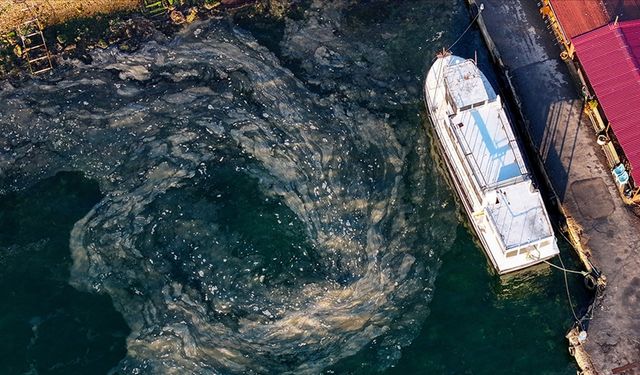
(526, 256)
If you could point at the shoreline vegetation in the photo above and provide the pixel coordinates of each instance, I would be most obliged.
(71, 29)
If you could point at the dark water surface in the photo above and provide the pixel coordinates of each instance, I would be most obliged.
(47, 326)
(482, 324)
(254, 220)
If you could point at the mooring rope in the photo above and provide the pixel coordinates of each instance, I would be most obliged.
(480, 9)
(583, 273)
(566, 286)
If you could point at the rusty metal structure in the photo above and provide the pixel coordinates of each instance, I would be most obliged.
(32, 43)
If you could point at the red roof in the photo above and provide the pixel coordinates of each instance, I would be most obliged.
(610, 55)
(577, 16)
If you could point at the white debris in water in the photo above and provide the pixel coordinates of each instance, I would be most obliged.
(437, 36)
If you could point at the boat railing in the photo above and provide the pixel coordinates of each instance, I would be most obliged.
(468, 155)
(477, 185)
(494, 226)
(533, 212)
(518, 244)
(480, 178)
(508, 182)
(528, 243)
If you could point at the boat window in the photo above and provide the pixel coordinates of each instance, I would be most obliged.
(527, 249)
(473, 105)
(512, 253)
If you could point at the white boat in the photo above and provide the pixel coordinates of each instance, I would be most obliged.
(486, 165)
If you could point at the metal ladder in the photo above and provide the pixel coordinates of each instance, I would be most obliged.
(154, 8)
(34, 47)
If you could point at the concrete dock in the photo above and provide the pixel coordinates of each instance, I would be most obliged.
(552, 107)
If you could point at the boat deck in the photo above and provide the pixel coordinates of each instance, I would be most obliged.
(518, 214)
(489, 144)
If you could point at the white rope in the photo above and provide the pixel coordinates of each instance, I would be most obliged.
(583, 273)
(468, 27)
(566, 286)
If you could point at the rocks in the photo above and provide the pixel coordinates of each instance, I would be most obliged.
(177, 17)
(326, 57)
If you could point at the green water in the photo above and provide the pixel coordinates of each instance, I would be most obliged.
(479, 323)
(47, 326)
(484, 324)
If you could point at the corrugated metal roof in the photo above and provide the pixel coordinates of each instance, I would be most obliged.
(610, 55)
(578, 17)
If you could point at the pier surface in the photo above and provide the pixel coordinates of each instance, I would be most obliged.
(576, 167)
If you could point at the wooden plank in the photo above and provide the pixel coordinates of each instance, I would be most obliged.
(41, 71)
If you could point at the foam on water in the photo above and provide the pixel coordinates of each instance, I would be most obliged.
(249, 225)
(177, 271)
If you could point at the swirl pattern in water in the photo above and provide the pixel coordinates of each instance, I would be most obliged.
(249, 225)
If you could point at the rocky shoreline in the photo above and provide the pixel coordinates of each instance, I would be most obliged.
(126, 28)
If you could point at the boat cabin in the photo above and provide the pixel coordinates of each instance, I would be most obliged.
(482, 131)
(467, 88)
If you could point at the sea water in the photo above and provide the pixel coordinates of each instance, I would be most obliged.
(240, 213)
